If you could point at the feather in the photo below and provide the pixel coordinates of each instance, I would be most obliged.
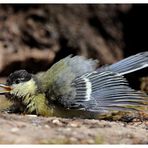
(128, 65)
(106, 91)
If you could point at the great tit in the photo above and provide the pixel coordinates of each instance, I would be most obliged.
(74, 86)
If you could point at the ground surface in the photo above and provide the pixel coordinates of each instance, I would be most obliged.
(34, 130)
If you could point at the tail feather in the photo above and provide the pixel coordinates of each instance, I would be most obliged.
(128, 65)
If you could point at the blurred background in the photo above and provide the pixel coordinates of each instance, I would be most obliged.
(33, 37)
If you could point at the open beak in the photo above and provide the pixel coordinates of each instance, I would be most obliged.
(4, 89)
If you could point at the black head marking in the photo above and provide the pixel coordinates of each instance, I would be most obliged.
(18, 77)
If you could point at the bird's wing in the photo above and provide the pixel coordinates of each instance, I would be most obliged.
(128, 65)
(57, 80)
(101, 92)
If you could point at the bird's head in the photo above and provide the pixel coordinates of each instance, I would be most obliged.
(19, 85)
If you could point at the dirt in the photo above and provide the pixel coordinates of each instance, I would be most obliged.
(30, 129)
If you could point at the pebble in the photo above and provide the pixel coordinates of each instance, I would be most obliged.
(73, 125)
(46, 126)
(57, 122)
(31, 115)
(15, 129)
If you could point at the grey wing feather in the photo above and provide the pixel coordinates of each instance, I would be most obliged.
(80, 65)
(101, 92)
(128, 65)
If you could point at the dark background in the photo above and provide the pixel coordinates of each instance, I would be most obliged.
(33, 37)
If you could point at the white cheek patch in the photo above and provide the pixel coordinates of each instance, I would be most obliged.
(24, 88)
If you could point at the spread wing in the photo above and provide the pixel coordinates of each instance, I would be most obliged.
(102, 92)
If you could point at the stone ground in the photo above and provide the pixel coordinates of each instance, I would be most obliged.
(31, 129)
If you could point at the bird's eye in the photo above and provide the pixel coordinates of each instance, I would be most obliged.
(17, 81)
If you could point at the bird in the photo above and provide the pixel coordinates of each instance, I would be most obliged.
(76, 87)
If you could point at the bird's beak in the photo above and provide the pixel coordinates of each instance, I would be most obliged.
(4, 89)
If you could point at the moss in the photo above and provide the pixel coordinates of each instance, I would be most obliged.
(56, 141)
(4, 103)
(99, 139)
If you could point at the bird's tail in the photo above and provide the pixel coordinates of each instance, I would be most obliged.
(128, 65)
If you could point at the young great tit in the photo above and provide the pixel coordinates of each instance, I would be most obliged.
(74, 87)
